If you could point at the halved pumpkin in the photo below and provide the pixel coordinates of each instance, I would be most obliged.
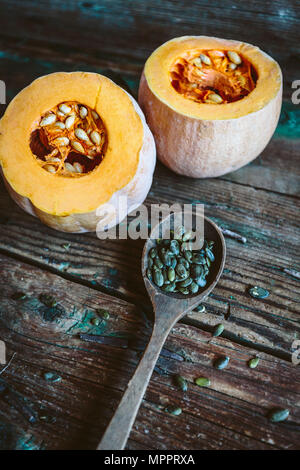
(72, 142)
(212, 104)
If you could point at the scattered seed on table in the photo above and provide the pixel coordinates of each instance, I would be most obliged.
(252, 363)
(221, 362)
(278, 414)
(48, 300)
(258, 292)
(19, 296)
(52, 377)
(218, 330)
(202, 382)
(181, 382)
(200, 308)
(174, 410)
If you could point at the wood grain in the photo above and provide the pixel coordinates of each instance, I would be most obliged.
(260, 202)
(231, 414)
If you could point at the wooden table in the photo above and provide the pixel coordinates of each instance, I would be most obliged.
(259, 202)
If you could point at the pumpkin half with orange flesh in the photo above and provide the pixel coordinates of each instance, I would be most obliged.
(71, 143)
(212, 104)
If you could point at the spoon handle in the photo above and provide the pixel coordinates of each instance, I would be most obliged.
(118, 430)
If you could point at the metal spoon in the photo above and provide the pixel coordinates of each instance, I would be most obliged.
(168, 309)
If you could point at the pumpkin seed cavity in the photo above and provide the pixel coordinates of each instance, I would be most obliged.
(213, 77)
(69, 140)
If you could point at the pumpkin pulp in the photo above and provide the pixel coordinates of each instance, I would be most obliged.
(69, 140)
(213, 76)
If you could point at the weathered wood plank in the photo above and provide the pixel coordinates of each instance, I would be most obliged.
(268, 220)
(230, 414)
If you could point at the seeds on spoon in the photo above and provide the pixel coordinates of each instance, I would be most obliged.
(78, 167)
(69, 167)
(174, 268)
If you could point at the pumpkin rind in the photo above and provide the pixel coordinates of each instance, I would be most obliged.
(71, 205)
(200, 140)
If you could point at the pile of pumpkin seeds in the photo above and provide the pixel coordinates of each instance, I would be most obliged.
(174, 267)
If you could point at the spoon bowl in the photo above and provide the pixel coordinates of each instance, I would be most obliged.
(168, 309)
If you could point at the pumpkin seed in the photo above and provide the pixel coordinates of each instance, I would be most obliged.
(205, 59)
(197, 62)
(158, 278)
(95, 321)
(64, 108)
(174, 410)
(158, 262)
(81, 134)
(234, 57)
(174, 247)
(52, 377)
(47, 120)
(19, 296)
(253, 362)
(153, 252)
(188, 255)
(181, 383)
(95, 137)
(171, 274)
(232, 66)
(210, 254)
(95, 115)
(215, 98)
(50, 168)
(60, 125)
(202, 382)
(69, 167)
(150, 262)
(194, 288)
(200, 308)
(83, 112)
(69, 121)
(221, 362)
(258, 292)
(169, 287)
(183, 290)
(61, 141)
(196, 271)
(48, 300)
(185, 283)
(201, 282)
(198, 258)
(278, 414)
(180, 270)
(78, 167)
(187, 236)
(218, 330)
(77, 146)
(149, 274)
